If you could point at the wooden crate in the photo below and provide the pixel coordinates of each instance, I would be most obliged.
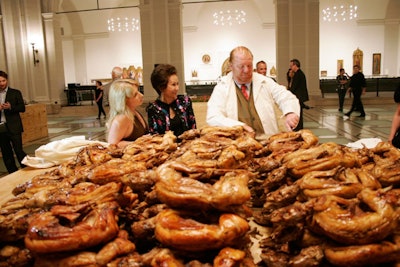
(34, 120)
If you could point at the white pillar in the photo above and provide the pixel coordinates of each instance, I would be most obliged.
(162, 39)
(297, 36)
(54, 58)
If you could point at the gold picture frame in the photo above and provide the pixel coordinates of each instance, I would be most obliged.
(358, 56)
(376, 64)
(206, 58)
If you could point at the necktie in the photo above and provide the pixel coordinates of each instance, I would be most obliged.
(244, 91)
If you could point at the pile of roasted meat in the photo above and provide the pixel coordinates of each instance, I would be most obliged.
(207, 201)
(327, 204)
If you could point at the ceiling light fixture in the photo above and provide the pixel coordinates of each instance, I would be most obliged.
(123, 24)
(339, 11)
(229, 17)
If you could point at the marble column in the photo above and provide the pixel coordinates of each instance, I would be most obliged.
(54, 56)
(22, 27)
(162, 40)
(2, 46)
(392, 41)
(297, 36)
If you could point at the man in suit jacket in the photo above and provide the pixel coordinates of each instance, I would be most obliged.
(299, 88)
(11, 104)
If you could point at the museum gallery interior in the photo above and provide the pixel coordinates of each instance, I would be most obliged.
(316, 197)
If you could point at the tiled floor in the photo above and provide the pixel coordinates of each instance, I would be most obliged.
(325, 121)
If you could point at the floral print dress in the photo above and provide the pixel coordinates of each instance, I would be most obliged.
(159, 117)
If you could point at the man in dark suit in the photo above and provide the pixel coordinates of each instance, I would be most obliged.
(299, 88)
(11, 104)
(358, 87)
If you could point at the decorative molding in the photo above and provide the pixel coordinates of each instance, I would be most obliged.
(268, 25)
(370, 22)
(392, 21)
(87, 36)
(190, 28)
(47, 16)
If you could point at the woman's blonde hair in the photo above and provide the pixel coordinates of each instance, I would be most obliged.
(119, 91)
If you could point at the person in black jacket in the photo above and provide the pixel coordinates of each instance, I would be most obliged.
(394, 135)
(299, 88)
(98, 97)
(357, 86)
(11, 104)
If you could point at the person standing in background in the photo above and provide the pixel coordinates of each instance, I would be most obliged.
(358, 87)
(116, 74)
(246, 98)
(11, 104)
(341, 81)
(394, 137)
(299, 88)
(170, 111)
(261, 67)
(98, 97)
(289, 77)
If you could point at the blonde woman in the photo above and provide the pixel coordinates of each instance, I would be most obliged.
(125, 123)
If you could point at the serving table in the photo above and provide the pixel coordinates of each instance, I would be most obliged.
(9, 182)
(34, 120)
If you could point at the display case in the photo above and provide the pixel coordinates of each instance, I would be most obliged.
(374, 84)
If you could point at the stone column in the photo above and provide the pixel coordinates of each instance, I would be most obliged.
(162, 40)
(297, 36)
(22, 27)
(392, 41)
(54, 61)
(2, 45)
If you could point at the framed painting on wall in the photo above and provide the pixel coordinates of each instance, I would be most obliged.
(376, 64)
(339, 65)
(358, 58)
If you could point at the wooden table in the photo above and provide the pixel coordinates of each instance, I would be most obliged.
(9, 182)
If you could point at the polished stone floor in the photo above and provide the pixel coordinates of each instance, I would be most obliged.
(323, 120)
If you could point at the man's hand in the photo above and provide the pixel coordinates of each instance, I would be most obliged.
(6, 105)
(247, 128)
(291, 121)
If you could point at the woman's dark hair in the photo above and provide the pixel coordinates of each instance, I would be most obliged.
(99, 82)
(160, 75)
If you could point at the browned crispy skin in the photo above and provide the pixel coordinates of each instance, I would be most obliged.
(112, 170)
(292, 140)
(352, 225)
(82, 258)
(46, 234)
(15, 256)
(158, 257)
(117, 247)
(229, 257)
(362, 255)
(320, 183)
(308, 257)
(93, 154)
(187, 234)
(180, 192)
(274, 258)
